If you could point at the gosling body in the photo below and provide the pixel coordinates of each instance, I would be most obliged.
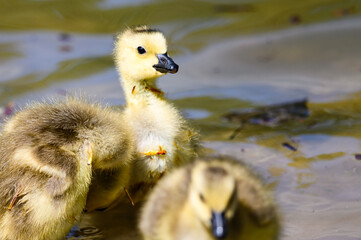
(162, 138)
(47, 155)
(207, 200)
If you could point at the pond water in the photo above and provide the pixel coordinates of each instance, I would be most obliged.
(232, 55)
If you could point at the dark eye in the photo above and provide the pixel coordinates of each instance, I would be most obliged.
(201, 197)
(141, 50)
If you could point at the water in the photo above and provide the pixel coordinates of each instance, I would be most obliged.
(232, 55)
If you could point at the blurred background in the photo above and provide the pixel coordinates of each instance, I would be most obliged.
(234, 57)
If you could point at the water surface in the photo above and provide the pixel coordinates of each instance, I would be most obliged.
(232, 55)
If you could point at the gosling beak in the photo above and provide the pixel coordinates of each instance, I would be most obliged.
(219, 225)
(165, 64)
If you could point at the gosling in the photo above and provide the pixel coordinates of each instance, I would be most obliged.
(162, 137)
(47, 155)
(210, 199)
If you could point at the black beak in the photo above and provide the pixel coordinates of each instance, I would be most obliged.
(165, 64)
(219, 225)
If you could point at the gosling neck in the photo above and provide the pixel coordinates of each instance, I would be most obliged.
(144, 91)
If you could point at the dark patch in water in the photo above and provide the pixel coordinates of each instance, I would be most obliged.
(295, 19)
(270, 116)
(64, 37)
(289, 146)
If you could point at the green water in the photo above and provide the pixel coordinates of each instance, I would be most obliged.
(189, 26)
(338, 118)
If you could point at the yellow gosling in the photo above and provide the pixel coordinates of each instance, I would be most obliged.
(48, 153)
(162, 137)
(210, 199)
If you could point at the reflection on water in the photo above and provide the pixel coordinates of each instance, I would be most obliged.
(85, 233)
(233, 55)
(117, 223)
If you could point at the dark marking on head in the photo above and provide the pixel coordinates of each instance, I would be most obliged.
(144, 29)
(216, 171)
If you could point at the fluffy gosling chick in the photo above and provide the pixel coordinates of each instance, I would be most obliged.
(209, 199)
(162, 138)
(47, 154)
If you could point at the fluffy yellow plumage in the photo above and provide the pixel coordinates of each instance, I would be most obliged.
(48, 153)
(56, 159)
(210, 199)
(161, 137)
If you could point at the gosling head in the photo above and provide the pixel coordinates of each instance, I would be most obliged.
(141, 54)
(213, 197)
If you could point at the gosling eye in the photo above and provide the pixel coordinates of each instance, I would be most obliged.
(141, 50)
(201, 197)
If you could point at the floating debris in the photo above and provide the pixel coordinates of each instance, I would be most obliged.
(270, 116)
(295, 19)
(7, 110)
(289, 146)
(358, 156)
(236, 131)
(129, 197)
(64, 37)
